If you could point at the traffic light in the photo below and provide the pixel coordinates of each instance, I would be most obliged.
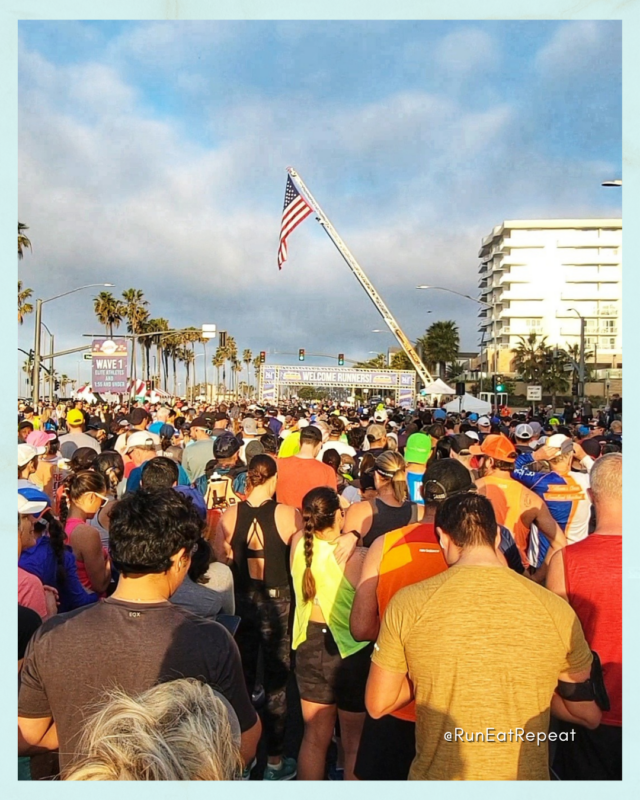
(263, 356)
(301, 354)
(461, 388)
(341, 359)
(222, 339)
(56, 385)
(498, 383)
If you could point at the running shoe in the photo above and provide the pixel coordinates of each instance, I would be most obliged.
(287, 772)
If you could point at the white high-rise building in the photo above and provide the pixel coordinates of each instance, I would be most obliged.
(537, 276)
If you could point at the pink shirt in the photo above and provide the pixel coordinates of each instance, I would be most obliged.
(31, 593)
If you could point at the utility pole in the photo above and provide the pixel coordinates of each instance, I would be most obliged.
(35, 396)
(51, 370)
(583, 324)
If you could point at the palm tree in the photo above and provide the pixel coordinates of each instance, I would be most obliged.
(441, 344)
(400, 360)
(24, 308)
(236, 366)
(529, 358)
(136, 313)
(23, 241)
(109, 311)
(159, 326)
(256, 369)
(247, 355)
(573, 350)
(377, 362)
(187, 357)
(218, 361)
(65, 380)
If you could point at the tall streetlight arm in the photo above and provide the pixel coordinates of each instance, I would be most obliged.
(79, 289)
(38, 326)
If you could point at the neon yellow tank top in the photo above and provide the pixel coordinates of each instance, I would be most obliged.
(334, 595)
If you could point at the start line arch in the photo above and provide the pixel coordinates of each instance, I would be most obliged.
(274, 378)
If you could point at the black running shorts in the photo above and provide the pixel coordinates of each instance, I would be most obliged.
(326, 678)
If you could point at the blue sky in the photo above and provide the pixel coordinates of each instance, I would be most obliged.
(153, 155)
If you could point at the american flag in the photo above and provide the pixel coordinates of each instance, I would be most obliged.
(296, 209)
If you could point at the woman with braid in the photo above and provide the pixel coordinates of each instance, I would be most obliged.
(51, 560)
(110, 465)
(82, 498)
(331, 667)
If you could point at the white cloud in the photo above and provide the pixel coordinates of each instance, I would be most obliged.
(576, 48)
(412, 182)
(467, 51)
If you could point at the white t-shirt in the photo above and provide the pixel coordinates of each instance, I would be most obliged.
(343, 449)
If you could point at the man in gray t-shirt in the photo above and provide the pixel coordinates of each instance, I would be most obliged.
(76, 438)
(204, 430)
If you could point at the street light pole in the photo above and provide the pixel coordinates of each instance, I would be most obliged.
(491, 305)
(581, 369)
(36, 345)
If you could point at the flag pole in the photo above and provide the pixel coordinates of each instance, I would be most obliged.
(366, 284)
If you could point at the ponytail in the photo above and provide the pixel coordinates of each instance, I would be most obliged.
(391, 466)
(308, 581)
(57, 539)
(319, 509)
(64, 504)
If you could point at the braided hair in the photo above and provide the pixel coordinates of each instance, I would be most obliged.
(111, 466)
(319, 508)
(57, 538)
(75, 486)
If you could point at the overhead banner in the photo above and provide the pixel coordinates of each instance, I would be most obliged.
(273, 378)
(109, 365)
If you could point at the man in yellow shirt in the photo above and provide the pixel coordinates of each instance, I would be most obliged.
(487, 654)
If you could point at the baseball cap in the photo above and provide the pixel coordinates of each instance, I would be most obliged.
(40, 439)
(377, 432)
(472, 435)
(381, 415)
(217, 417)
(166, 431)
(461, 442)
(249, 426)
(439, 413)
(27, 506)
(473, 417)
(495, 446)
(445, 478)
(202, 422)
(418, 448)
(524, 431)
(75, 417)
(560, 441)
(583, 430)
(225, 446)
(484, 422)
(253, 448)
(27, 453)
(142, 439)
(25, 424)
(536, 427)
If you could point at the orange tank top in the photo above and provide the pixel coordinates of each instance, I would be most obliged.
(410, 555)
(506, 496)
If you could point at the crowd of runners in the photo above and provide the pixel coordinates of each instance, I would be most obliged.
(319, 591)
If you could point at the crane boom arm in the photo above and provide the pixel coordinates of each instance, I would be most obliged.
(369, 288)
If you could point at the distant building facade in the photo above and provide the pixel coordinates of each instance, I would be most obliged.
(534, 275)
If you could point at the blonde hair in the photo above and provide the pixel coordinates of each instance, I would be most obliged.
(392, 462)
(605, 478)
(176, 731)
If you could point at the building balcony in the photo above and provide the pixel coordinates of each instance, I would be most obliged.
(583, 291)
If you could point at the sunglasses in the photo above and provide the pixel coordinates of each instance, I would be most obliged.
(102, 497)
